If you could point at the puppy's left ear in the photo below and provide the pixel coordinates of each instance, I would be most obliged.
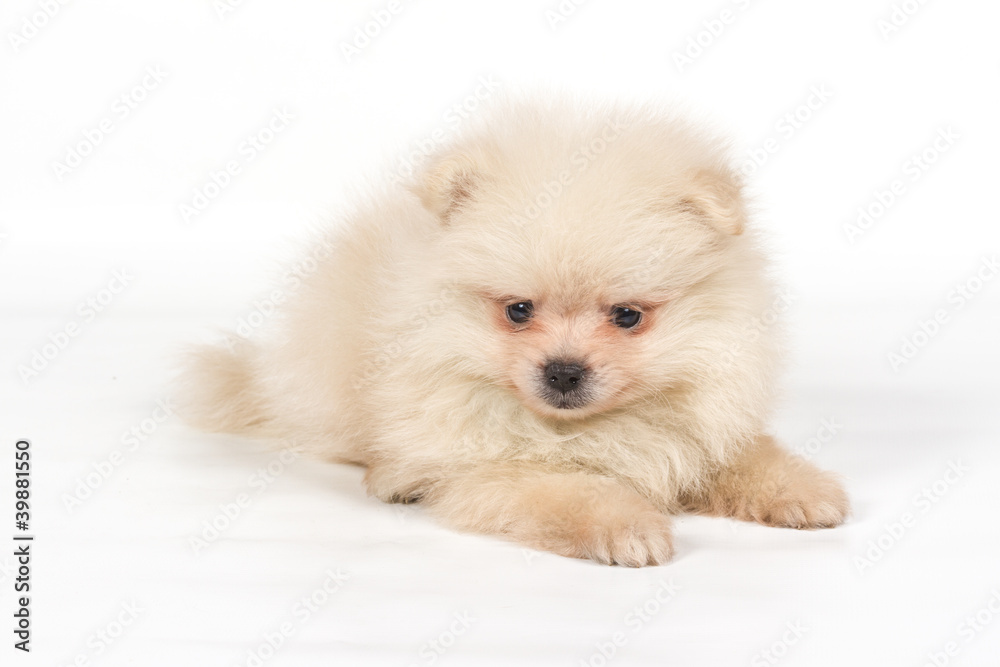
(716, 197)
(447, 185)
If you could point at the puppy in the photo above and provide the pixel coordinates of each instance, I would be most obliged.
(547, 335)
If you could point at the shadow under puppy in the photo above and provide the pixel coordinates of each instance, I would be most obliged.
(545, 336)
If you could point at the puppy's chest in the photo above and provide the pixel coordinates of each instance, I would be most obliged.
(610, 446)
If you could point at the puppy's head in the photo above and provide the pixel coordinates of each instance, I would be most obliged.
(595, 252)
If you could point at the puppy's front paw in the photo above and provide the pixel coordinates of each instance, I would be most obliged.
(575, 514)
(616, 527)
(766, 484)
(813, 499)
(633, 541)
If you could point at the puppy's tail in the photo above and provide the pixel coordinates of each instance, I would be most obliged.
(218, 391)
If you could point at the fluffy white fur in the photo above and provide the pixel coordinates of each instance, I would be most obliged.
(396, 353)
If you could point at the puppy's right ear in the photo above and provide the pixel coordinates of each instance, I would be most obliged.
(715, 196)
(447, 185)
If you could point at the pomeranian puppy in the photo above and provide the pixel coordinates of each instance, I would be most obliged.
(547, 335)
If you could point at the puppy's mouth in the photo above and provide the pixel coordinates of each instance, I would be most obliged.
(566, 402)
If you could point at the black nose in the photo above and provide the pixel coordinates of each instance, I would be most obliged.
(563, 377)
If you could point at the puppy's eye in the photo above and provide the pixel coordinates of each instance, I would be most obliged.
(624, 317)
(520, 312)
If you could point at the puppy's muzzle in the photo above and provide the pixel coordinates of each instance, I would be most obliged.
(563, 377)
(565, 384)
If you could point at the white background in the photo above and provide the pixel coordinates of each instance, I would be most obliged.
(873, 592)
